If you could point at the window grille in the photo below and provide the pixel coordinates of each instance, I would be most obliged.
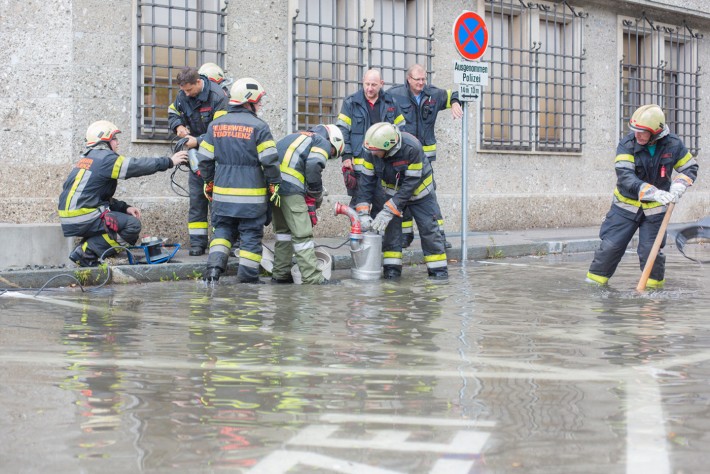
(659, 65)
(534, 100)
(335, 42)
(172, 34)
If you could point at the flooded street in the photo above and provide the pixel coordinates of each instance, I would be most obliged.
(513, 365)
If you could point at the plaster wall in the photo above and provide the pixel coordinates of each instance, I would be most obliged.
(69, 63)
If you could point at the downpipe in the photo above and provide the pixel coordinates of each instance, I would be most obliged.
(365, 249)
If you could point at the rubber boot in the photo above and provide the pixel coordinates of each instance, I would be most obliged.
(84, 258)
(212, 275)
(196, 251)
(390, 273)
(439, 274)
(407, 239)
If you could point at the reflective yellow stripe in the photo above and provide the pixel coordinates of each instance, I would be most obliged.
(434, 258)
(625, 158)
(596, 278)
(240, 191)
(111, 242)
(448, 98)
(683, 160)
(415, 166)
(635, 202)
(197, 225)
(345, 119)
(407, 223)
(399, 119)
(249, 255)
(74, 185)
(427, 148)
(264, 145)
(207, 146)
(363, 163)
(117, 167)
(655, 284)
(219, 113)
(392, 255)
(424, 184)
(76, 212)
(222, 242)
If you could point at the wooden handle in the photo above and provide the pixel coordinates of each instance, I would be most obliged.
(654, 250)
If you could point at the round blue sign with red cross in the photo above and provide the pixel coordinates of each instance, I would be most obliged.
(470, 35)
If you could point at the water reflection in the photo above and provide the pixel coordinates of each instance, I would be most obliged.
(510, 365)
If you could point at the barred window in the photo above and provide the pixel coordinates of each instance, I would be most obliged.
(534, 99)
(172, 34)
(659, 65)
(335, 42)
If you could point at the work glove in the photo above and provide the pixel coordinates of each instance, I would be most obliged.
(274, 193)
(677, 190)
(311, 204)
(349, 178)
(316, 196)
(383, 218)
(365, 222)
(651, 193)
(110, 221)
(208, 189)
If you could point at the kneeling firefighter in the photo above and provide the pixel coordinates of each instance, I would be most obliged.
(397, 161)
(303, 156)
(87, 208)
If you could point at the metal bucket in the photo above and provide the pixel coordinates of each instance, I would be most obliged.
(367, 259)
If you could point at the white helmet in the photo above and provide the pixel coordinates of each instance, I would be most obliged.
(101, 131)
(382, 136)
(246, 90)
(213, 72)
(336, 139)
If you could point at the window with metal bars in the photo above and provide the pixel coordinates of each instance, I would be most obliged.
(659, 65)
(534, 100)
(172, 34)
(335, 42)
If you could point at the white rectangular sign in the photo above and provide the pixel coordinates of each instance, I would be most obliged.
(468, 93)
(471, 72)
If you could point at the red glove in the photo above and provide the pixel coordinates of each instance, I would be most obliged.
(110, 221)
(350, 178)
(311, 203)
(208, 189)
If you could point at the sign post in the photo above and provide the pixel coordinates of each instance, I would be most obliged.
(471, 40)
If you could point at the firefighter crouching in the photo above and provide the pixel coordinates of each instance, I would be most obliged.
(303, 156)
(397, 161)
(87, 208)
(240, 166)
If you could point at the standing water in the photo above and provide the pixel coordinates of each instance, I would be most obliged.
(513, 365)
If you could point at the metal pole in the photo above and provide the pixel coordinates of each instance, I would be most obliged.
(464, 183)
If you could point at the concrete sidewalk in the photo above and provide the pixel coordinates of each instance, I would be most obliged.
(480, 245)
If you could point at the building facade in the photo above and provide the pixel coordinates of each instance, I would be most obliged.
(564, 77)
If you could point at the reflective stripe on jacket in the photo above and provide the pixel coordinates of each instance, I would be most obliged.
(239, 154)
(196, 113)
(302, 156)
(354, 119)
(405, 176)
(421, 118)
(90, 187)
(635, 167)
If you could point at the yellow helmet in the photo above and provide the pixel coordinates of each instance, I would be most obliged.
(101, 131)
(213, 72)
(382, 136)
(246, 90)
(648, 118)
(336, 139)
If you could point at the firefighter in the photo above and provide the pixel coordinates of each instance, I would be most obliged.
(421, 103)
(397, 161)
(198, 103)
(239, 163)
(87, 208)
(303, 156)
(645, 161)
(360, 110)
